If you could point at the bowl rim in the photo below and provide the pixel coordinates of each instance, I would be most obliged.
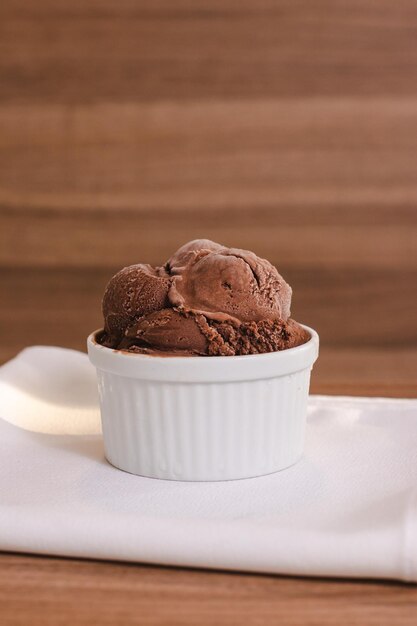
(204, 368)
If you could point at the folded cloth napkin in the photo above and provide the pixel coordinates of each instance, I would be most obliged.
(348, 508)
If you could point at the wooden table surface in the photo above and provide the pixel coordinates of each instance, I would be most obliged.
(290, 128)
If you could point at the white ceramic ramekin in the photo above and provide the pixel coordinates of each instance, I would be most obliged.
(203, 418)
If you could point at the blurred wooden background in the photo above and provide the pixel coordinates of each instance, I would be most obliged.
(290, 128)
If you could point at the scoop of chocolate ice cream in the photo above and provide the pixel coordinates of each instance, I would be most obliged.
(133, 292)
(207, 300)
(228, 282)
(189, 250)
(167, 330)
(173, 332)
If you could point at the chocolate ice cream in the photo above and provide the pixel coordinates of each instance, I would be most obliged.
(207, 300)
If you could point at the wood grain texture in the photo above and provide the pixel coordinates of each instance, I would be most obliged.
(199, 50)
(338, 240)
(285, 127)
(83, 592)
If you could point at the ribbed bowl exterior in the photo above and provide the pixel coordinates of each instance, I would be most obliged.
(203, 418)
(203, 431)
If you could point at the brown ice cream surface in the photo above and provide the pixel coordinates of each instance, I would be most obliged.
(207, 300)
(133, 292)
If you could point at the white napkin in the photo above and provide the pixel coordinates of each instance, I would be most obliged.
(349, 508)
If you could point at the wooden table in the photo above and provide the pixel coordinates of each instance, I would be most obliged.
(290, 128)
(46, 592)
